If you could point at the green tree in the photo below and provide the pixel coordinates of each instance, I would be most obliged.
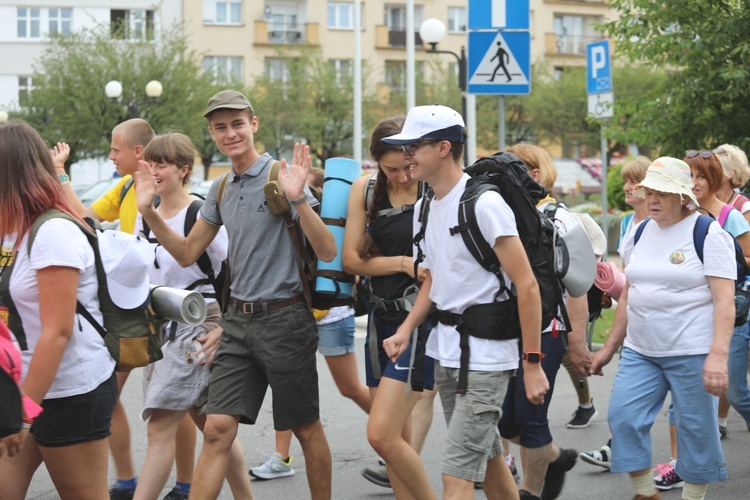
(615, 194)
(703, 47)
(68, 102)
(311, 102)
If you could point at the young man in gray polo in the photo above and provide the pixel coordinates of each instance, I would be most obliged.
(269, 338)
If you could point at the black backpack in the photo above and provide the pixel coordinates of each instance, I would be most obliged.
(506, 174)
(218, 281)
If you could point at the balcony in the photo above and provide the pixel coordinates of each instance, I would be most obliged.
(394, 39)
(567, 45)
(286, 34)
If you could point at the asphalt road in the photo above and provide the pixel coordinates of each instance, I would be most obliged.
(345, 428)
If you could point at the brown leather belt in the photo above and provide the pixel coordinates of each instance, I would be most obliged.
(256, 307)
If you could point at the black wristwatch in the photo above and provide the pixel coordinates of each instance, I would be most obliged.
(533, 357)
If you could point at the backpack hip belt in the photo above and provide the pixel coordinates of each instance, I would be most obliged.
(491, 321)
(401, 304)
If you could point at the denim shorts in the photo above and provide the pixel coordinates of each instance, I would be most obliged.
(77, 419)
(259, 350)
(400, 369)
(337, 338)
(472, 418)
(638, 394)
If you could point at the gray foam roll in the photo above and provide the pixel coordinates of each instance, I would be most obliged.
(174, 304)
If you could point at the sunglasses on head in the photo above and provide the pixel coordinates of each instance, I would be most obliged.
(704, 153)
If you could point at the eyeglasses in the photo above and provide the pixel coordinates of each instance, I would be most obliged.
(704, 153)
(411, 149)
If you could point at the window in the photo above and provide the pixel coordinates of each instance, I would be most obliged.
(59, 21)
(222, 11)
(573, 33)
(395, 75)
(395, 17)
(132, 24)
(457, 19)
(343, 69)
(29, 24)
(25, 86)
(224, 69)
(277, 70)
(341, 15)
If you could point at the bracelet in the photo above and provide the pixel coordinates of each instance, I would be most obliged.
(25, 425)
(298, 201)
(63, 178)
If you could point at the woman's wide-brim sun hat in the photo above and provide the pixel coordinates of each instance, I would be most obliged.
(668, 175)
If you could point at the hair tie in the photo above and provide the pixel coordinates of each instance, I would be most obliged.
(368, 229)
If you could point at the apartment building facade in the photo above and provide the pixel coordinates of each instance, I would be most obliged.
(242, 39)
(26, 26)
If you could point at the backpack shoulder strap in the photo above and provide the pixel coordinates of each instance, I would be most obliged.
(204, 261)
(369, 189)
(468, 227)
(423, 215)
(639, 230)
(700, 231)
(724, 214)
(125, 187)
(57, 214)
(222, 188)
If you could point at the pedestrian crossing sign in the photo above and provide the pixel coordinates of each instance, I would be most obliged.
(499, 62)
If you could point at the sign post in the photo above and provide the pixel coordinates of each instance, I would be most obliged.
(601, 103)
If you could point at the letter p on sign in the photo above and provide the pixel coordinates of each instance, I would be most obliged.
(599, 74)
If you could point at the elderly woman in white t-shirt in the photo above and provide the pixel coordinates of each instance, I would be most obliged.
(678, 313)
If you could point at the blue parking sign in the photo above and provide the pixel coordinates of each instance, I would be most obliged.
(598, 68)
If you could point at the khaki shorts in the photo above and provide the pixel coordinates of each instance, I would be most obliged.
(276, 349)
(473, 437)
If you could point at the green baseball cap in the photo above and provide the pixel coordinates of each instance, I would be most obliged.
(228, 99)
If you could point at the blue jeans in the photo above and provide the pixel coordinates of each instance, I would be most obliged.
(639, 391)
(738, 393)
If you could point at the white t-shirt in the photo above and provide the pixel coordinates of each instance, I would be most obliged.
(458, 281)
(169, 272)
(86, 362)
(626, 240)
(670, 307)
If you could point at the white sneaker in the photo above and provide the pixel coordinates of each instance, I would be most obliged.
(273, 468)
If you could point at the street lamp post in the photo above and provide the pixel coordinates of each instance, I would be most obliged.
(153, 89)
(433, 31)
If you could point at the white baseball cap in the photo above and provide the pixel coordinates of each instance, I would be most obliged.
(126, 259)
(430, 122)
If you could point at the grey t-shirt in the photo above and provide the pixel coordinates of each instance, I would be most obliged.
(262, 258)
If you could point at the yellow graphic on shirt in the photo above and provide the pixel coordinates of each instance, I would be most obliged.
(6, 259)
(677, 258)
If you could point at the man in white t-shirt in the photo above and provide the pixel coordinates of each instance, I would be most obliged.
(432, 139)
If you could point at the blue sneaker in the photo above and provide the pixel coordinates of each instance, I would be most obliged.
(116, 493)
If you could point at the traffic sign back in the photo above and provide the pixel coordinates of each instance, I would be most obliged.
(506, 14)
